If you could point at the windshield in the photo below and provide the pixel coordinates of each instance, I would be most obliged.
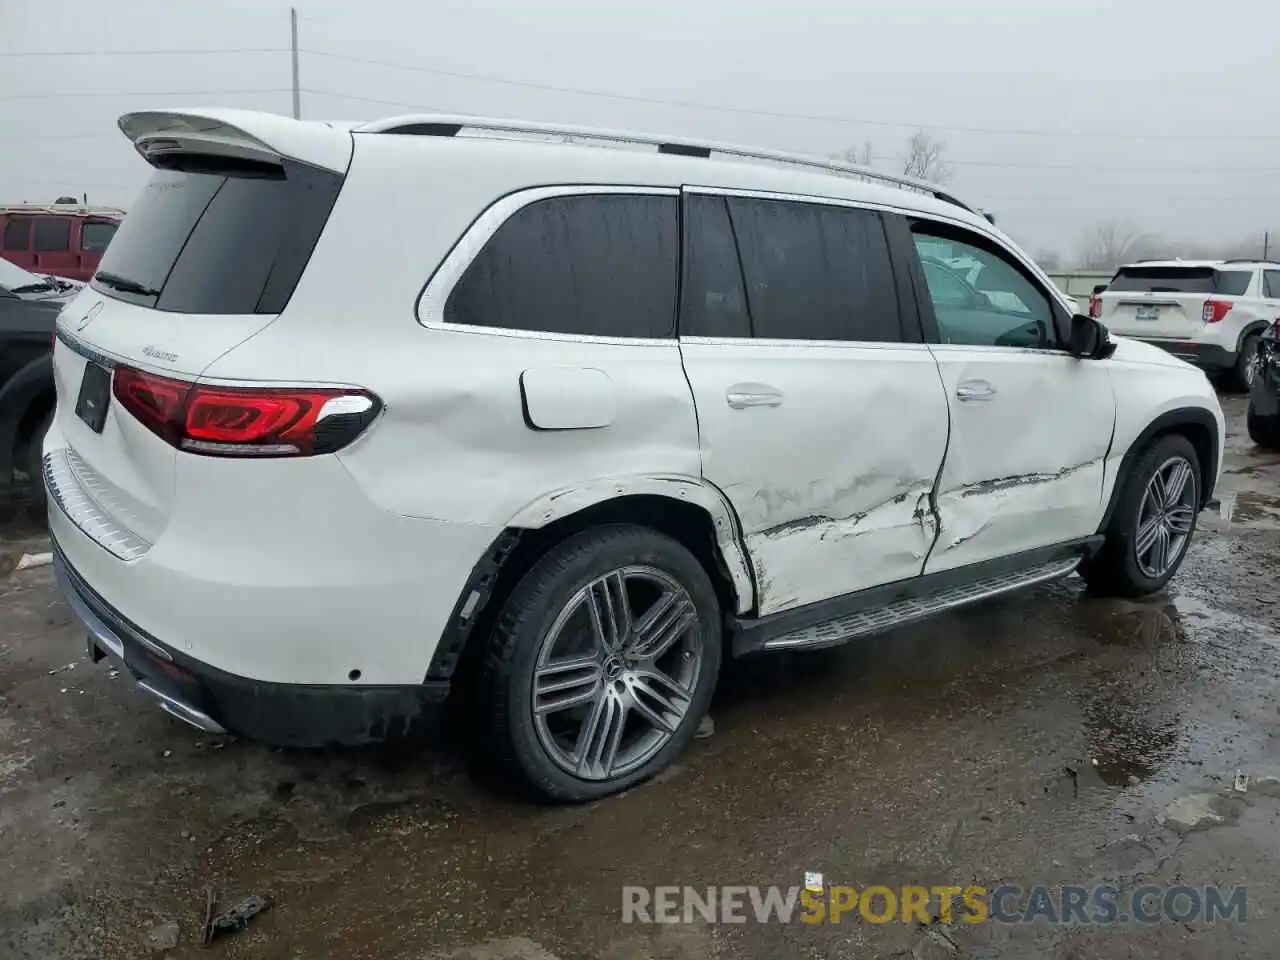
(13, 276)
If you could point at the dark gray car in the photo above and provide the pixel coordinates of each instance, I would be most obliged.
(26, 389)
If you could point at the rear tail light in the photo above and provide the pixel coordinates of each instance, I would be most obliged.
(245, 421)
(1095, 306)
(1215, 310)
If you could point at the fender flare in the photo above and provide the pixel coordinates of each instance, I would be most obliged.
(1182, 416)
(565, 502)
(16, 397)
(1254, 326)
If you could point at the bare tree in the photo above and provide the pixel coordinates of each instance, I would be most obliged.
(863, 156)
(924, 159)
(1049, 260)
(1111, 243)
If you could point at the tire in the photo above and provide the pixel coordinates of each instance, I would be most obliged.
(1264, 431)
(1119, 568)
(1242, 372)
(35, 459)
(547, 619)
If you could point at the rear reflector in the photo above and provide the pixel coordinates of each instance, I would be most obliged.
(245, 421)
(1095, 306)
(1215, 310)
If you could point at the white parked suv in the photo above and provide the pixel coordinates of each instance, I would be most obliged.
(1208, 312)
(350, 412)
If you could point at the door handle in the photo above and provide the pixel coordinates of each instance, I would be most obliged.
(975, 390)
(743, 395)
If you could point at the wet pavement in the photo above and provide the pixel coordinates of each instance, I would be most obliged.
(1045, 738)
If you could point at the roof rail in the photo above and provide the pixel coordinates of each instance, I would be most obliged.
(1250, 260)
(446, 125)
(79, 209)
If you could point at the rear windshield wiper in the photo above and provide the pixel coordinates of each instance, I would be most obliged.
(125, 285)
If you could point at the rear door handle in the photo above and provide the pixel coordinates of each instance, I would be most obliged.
(975, 390)
(743, 395)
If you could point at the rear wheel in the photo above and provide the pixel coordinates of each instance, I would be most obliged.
(1246, 367)
(602, 663)
(35, 458)
(1153, 522)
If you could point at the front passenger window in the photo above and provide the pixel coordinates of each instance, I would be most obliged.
(980, 298)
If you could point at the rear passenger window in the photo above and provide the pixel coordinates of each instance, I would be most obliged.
(52, 235)
(1233, 283)
(596, 265)
(1271, 280)
(815, 272)
(17, 235)
(713, 303)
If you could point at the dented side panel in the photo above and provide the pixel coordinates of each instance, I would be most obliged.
(831, 476)
(1025, 465)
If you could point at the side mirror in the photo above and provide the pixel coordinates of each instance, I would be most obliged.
(1088, 339)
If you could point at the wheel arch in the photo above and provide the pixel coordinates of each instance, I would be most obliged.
(688, 509)
(1199, 427)
(1250, 328)
(25, 400)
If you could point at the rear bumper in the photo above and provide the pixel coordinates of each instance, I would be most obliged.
(1206, 356)
(281, 714)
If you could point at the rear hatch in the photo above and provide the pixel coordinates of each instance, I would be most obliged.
(1167, 301)
(206, 258)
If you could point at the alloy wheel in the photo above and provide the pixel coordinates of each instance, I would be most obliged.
(1165, 518)
(615, 675)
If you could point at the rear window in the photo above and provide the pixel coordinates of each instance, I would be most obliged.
(1231, 283)
(95, 235)
(209, 238)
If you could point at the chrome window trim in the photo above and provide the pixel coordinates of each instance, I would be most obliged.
(435, 294)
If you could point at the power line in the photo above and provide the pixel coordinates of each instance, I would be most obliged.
(960, 162)
(785, 115)
(142, 93)
(6, 54)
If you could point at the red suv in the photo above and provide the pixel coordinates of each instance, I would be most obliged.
(64, 240)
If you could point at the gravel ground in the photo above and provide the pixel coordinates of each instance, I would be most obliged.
(1046, 738)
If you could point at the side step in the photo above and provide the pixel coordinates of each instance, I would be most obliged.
(910, 609)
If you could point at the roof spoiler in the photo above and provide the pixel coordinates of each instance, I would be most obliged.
(242, 134)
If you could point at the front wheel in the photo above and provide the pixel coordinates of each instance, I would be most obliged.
(1264, 431)
(602, 663)
(1153, 522)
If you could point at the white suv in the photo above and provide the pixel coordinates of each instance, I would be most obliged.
(351, 412)
(1208, 312)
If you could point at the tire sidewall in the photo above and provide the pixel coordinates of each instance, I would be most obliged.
(538, 601)
(1131, 501)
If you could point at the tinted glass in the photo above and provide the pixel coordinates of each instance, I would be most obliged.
(946, 287)
(1139, 279)
(713, 303)
(1272, 284)
(815, 272)
(213, 239)
(94, 237)
(17, 234)
(51, 235)
(1004, 308)
(600, 265)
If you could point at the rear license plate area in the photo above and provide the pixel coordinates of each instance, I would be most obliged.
(1148, 313)
(94, 397)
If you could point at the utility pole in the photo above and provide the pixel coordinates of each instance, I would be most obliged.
(1266, 244)
(293, 47)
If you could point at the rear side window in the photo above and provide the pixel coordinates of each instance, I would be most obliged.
(815, 272)
(1207, 280)
(594, 265)
(17, 234)
(1272, 284)
(52, 235)
(211, 238)
(95, 235)
(713, 303)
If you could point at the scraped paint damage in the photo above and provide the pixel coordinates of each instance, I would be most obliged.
(899, 515)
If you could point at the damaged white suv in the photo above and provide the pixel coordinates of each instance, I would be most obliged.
(350, 412)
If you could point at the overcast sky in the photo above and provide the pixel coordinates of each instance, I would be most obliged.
(1055, 115)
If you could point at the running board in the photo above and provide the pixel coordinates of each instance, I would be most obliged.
(911, 609)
